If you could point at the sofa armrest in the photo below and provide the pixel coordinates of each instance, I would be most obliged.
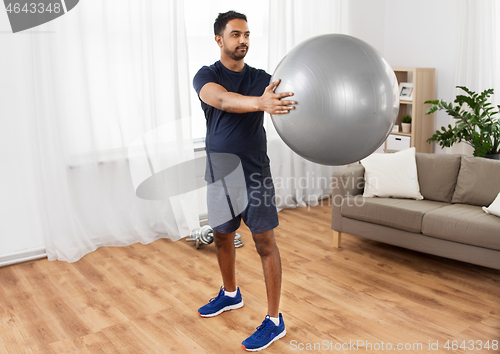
(347, 182)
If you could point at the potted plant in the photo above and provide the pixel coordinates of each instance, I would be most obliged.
(475, 123)
(406, 123)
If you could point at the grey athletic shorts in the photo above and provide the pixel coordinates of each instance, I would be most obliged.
(256, 205)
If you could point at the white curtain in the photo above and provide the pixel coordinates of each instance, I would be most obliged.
(479, 52)
(299, 182)
(106, 75)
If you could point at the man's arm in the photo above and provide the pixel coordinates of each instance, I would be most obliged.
(217, 96)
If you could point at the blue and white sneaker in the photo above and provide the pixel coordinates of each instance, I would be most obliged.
(265, 334)
(221, 303)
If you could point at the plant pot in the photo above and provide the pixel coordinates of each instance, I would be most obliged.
(493, 156)
(406, 127)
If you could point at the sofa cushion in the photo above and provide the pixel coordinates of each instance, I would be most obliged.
(391, 175)
(478, 181)
(437, 175)
(463, 223)
(403, 214)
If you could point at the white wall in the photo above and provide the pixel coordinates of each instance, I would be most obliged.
(408, 33)
(367, 22)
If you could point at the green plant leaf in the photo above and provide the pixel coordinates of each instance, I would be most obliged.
(474, 122)
(431, 110)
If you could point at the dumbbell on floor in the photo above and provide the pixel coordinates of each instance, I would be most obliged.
(205, 235)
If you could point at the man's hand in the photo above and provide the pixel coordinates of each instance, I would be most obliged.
(271, 102)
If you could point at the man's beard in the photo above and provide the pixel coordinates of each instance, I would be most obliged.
(237, 54)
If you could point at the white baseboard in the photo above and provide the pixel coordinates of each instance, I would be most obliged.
(22, 256)
(30, 255)
(203, 218)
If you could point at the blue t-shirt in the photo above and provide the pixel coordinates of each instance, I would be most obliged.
(240, 134)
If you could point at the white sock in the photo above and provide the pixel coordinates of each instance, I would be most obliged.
(231, 293)
(276, 320)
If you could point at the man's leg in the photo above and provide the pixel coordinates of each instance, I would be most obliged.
(226, 256)
(271, 263)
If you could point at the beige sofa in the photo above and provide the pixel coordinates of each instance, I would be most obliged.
(449, 222)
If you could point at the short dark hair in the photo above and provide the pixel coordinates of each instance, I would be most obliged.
(223, 18)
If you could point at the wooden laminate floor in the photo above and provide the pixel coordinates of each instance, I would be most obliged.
(144, 298)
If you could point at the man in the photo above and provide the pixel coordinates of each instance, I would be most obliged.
(234, 97)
